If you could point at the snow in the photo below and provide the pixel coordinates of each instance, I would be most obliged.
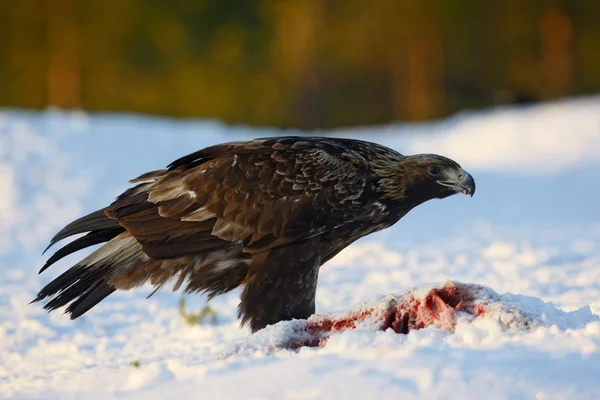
(530, 236)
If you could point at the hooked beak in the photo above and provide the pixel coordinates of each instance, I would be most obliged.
(462, 182)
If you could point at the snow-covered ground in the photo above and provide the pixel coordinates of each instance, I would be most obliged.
(532, 229)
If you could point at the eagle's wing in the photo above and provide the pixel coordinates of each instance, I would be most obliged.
(260, 194)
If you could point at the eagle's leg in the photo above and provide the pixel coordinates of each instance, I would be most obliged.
(281, 285)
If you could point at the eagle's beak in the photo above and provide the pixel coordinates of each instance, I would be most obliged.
(461, 181)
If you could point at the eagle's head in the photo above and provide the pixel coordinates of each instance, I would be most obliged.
(422, 177)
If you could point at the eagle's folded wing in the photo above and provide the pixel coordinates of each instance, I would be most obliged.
(259, 194)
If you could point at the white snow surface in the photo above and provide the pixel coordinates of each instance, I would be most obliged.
(531, 233)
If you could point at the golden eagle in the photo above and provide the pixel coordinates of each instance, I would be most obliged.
(262, 214)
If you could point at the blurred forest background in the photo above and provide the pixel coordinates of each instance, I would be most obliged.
(296, 63)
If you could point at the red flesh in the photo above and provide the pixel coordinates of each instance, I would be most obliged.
(439, 307)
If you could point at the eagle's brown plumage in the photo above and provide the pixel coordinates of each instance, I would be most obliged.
(263, 214)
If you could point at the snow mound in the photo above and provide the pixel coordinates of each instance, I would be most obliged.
(441, 306)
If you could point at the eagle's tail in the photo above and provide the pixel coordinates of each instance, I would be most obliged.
(96, 224)
(81, 286)
(121, 264)
(84, 284)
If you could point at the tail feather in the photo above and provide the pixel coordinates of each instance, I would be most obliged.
(92, 238)
(96, 221)
(85, 284)
(70, 285)
(123, 264)
(94, 295)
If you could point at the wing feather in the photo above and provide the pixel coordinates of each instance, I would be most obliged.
(259, 194)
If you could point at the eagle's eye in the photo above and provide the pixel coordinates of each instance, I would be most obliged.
(434, 170)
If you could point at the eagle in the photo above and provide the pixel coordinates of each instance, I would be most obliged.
(263, 215)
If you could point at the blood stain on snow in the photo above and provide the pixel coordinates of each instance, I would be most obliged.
(439, 306)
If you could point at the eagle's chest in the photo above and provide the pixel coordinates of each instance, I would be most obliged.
(370, 217)
(366, 221)
(330, 244)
